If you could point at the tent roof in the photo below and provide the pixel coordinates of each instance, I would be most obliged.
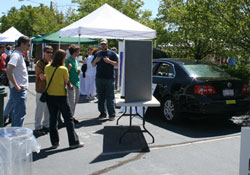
(54, 38)
(107, 22)
(10, 36)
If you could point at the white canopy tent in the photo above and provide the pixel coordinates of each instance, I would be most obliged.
(107, 22)
(10, 36)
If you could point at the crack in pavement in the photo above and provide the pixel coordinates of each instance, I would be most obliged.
(121, 163)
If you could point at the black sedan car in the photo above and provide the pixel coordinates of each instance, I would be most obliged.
(195, 87)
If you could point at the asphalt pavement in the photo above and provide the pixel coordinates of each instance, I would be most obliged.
(188, 148)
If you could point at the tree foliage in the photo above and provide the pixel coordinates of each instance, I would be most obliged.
(201, 28)
(131, 8)
(33, 20)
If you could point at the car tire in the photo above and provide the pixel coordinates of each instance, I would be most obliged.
(170, 109)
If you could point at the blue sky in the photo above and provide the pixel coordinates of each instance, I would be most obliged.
(151, 5)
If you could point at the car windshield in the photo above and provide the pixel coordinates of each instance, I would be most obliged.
(205, 70)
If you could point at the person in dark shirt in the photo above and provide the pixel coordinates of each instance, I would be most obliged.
(105, 60)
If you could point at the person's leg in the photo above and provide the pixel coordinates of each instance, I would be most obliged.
(71, 98)
(52, 104)
(116, 79)
(46, 117)
(101, 95)
(92, 86)
(76, 95)
(40, 107)
(19, 102)
(110, 97)
(8, 111)
(87, 86)
(68, 120)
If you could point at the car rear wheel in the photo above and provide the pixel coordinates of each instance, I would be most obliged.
(170, 109)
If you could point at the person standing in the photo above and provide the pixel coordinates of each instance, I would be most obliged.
(105, 60)
(58, 102)
(18, 78)
(3, 57)
(41, 108)
(74, 86)
(90, 75)
(8, 50)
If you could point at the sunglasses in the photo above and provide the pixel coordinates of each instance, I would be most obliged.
(48, 52)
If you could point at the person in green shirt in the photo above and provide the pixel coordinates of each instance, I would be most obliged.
(74, 88)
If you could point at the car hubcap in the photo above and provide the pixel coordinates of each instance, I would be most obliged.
(169, 109)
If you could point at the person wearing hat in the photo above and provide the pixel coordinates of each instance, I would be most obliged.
(105, 60)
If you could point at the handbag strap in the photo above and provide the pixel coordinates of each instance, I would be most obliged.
(50, 79)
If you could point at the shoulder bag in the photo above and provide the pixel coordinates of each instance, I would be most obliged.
(44, 96)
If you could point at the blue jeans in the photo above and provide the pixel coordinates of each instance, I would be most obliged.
(19, 106)
(8, 111)
(105, 92)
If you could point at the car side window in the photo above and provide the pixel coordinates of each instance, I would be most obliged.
(165, 70)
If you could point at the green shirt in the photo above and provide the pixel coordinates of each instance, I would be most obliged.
(74, 77)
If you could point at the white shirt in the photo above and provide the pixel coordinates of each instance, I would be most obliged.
(20, 70)
(90, 69)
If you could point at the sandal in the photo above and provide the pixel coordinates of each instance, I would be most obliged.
(80, 144)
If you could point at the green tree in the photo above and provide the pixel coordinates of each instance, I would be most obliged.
(131, 8)
(191, 29)
(233, 19)
(200, 28)
(33, 20)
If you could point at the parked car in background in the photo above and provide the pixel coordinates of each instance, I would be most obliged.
(198, 88)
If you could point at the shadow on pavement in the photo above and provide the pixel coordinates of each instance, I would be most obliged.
(44, 153)
(131, 142)
(90, 122)
(198, 128)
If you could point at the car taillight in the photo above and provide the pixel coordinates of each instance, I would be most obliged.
(204, 90)
(246, 89)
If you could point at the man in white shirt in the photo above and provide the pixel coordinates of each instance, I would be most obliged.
(18, 78)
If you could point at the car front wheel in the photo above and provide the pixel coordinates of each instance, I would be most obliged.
(170, 109)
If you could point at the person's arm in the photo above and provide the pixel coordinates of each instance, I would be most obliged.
(113, 61)
(96, 60)
(39, 71)
(11, 77)
(66, 80)
(109, 61)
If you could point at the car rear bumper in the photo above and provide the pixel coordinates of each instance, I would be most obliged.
(217, 107)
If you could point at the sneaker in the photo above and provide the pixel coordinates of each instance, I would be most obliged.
(76, 121)
(102, 116)
(45, 130)
(38, 132)
(61, 125)
(111, 118)
(92, 98)
(79, 145)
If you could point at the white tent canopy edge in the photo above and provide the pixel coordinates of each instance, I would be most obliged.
(10, 36)
(107, 22)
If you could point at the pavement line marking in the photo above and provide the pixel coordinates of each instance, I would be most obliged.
(121, 163)
(156, 147)
(139, 155)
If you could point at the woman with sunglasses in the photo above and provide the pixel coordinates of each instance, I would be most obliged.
(57, 100)
(42, 128)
